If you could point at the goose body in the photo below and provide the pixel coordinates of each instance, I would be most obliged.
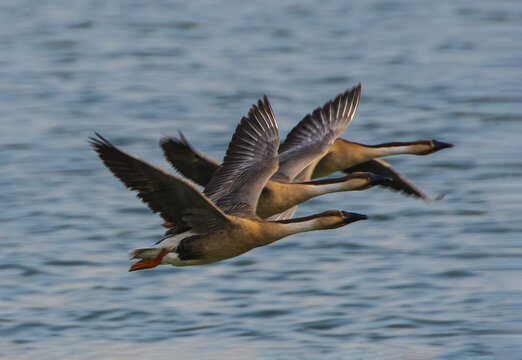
(219, 223)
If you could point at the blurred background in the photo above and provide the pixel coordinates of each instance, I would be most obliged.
(418, 280)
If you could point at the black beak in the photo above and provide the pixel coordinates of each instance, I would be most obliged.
(353, 217)
(379, 179)
(439, 145)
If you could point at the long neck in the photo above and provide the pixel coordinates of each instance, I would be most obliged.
(345, 154)
(298, 227)
(394, 148)
(326, 220)
(328, 186)
(247, 233)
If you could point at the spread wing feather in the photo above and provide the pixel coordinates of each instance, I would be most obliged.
(251, 159)
(189, 162)
(309, 140)
(177, 201)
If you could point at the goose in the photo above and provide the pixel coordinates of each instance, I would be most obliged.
(278, 200)
(308, 142)
(343, 155)
(219, 223)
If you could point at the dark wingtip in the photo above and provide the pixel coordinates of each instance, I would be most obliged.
(440, 196)
(183, 138)
(168, 140)
(439, 145)
(357, 90)
(379, 179)
(101, 137)
(261, 104)
(98, 142)
(350, 217)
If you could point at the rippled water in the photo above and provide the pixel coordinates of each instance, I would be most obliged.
(418, 280)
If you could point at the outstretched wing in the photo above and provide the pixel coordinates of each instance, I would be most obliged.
(190, 163)
(175, 199)
(398, 183)
(251, 159)
(314, 135)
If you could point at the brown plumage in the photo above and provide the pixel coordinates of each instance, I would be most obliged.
(306, 143)
(343, 155)
(277, 196)
(202, 231)
(303, 151)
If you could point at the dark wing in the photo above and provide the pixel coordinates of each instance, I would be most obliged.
(314, 135)
(251, 159)
(190, 163)
(399, 182)
(176, 200)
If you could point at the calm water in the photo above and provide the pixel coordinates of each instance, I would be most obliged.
(418, 280)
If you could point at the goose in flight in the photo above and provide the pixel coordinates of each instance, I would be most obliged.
(307, 143)
(342, 155)
(219, 223)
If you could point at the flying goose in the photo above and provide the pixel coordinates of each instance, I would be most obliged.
(279, 199)
(307, 143)
(220, 223)
(343, 156)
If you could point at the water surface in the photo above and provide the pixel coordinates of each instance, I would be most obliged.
(418, 280)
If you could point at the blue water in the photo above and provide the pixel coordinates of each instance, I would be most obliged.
(439, 280)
